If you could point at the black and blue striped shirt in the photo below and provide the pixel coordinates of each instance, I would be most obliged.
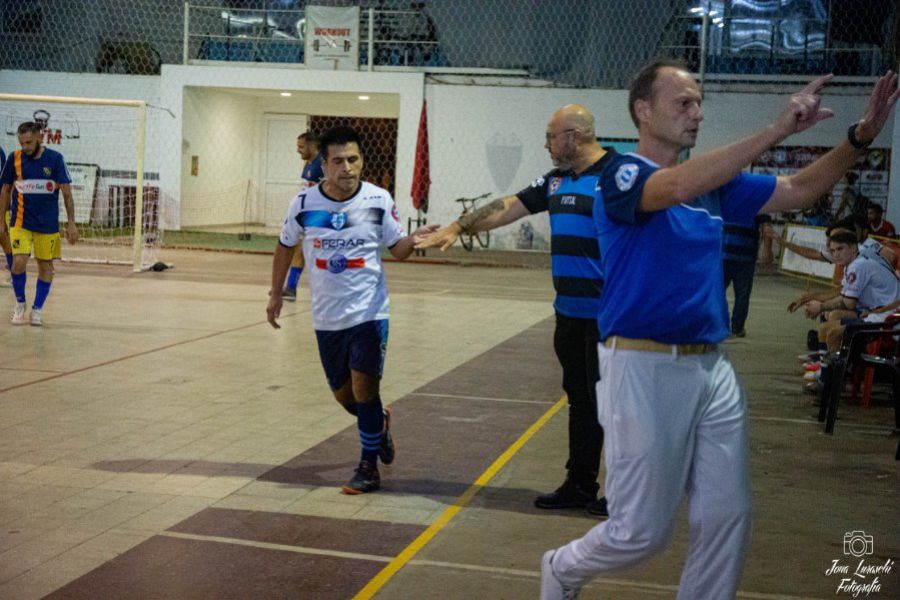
(574, 248)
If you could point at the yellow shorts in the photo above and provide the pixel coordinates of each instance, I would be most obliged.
(45, 246)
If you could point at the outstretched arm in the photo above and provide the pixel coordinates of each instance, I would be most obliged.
(402, 249)
(804, 251)
(801, 189)
(673, 185)
(498, 213)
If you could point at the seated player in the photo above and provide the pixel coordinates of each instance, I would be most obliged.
(308, 149)
(867, 287)
(343, 223)
(34, 176)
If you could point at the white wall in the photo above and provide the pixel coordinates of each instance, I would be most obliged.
(107, 134)
(220, 128)
(406, 86)
(490, 139)
(482, 138)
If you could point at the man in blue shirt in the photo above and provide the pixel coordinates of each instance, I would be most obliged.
(33, 178)
(673, 411)
(741, 247)
(568, 193)
(312, 174)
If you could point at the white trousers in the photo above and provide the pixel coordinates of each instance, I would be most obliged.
(674, 424)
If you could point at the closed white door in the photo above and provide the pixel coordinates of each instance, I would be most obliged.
(281, 165)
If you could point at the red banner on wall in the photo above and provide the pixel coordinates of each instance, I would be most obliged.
(421, 182)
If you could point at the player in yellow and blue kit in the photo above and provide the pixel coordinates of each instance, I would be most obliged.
(33, 178)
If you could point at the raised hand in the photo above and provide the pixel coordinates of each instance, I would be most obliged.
(882, 100)
(802, 110)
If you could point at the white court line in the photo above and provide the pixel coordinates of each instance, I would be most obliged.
(282, 547)
(458, 397)
(658, 588)
(812, 422)
(624, 583)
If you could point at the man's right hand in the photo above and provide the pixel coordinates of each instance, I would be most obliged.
(802, 110)
(273, 310)
(444, 237)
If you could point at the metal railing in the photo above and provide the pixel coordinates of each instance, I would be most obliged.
(718, 47)
(388, 38)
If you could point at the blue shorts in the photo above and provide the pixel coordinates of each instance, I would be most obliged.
(359, 348)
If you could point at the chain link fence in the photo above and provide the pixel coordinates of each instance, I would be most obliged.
(573, 42)
(235, 149)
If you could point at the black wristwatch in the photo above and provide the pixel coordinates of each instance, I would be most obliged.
(851, 137)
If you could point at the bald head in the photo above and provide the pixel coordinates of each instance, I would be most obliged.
(571, 139)
(577, 117)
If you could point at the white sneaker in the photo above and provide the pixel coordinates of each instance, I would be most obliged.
(551, 587)
(18, 316)
(35, 317)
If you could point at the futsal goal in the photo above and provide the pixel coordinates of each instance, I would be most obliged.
(117, 199)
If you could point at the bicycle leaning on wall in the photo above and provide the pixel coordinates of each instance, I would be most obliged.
(482, 237)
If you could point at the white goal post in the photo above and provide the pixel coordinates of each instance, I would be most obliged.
(25, 102)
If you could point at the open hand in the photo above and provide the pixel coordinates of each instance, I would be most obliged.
(443, 238)
(882, 100)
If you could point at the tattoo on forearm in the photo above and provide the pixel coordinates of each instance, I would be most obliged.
(468, 221)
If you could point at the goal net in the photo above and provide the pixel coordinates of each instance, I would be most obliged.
(115, 191)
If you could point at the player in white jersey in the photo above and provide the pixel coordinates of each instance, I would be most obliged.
(343, 223)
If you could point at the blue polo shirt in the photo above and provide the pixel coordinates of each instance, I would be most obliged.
(312, 171)
(574, 250)
(664, 278)
(35, 189)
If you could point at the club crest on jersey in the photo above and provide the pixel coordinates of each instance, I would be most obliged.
(338, 220)
(626, 176)
(48, 171)
(555, 182)
(337, 264)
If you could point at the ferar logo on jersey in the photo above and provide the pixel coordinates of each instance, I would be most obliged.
(555, 182)
(338, 220)
(626, 176)
(337, 244)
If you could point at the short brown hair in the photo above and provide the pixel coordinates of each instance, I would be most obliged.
(29, 127)
(309, 137)
(641, 86)
(842, 236)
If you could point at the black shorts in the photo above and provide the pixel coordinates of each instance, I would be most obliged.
(359, 348)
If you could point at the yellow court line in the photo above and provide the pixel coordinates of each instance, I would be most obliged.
(426, 536)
